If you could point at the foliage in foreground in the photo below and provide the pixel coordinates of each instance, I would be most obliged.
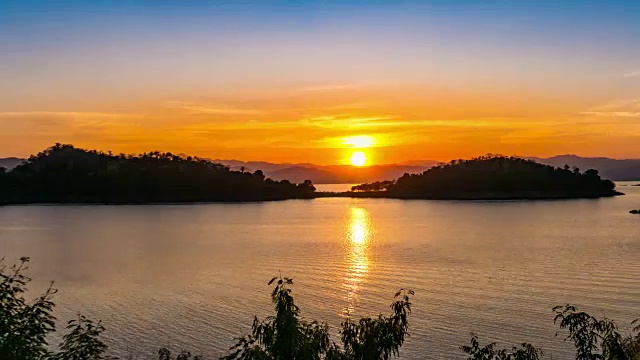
(25, 326)
(286, 336)
(597, 339)
(489, 352)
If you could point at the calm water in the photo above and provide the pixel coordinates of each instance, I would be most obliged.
(334, 187)
(193, 276)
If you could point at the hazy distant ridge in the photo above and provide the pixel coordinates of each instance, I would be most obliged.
(612, 169)
(329, 174)
(10, 163)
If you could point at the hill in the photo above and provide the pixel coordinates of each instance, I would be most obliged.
(65, 174)
(10, 163)
(493, 177)
(614, 169)
(329, 174)
(345, 174)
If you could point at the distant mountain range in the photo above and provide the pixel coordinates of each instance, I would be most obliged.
(328, 174)
(612, 169)
(10, 163)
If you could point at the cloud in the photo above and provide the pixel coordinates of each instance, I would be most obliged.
(388, 121)
(220, 109)
(43, 122)
(620, 108)
(64, 114)
(332, 87)
(633, 74)
(613, 113)
(346, 120)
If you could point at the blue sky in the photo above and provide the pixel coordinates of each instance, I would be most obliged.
(537, 62)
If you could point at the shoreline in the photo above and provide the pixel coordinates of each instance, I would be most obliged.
(496, 196)
(346, 194)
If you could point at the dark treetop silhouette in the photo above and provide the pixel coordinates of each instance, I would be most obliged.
(493, 177)
(65, 174)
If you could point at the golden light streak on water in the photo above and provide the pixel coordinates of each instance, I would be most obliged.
(358, 235)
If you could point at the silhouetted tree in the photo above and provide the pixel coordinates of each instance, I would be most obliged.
(494, 176)
(489, 351)
(286, 336)
(596, 339)
(63, 174)
(25, 325)
(374, 186)
(83, 341)
(259, 174)
(165, 354)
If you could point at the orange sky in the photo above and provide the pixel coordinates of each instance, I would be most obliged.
(431, 83)
(310, 124)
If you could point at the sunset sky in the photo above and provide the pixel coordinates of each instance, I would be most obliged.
(297, 81)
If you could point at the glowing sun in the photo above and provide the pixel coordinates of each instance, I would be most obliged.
(358, 158)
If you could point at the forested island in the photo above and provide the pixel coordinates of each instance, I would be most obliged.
(66, 174)
(492, 177)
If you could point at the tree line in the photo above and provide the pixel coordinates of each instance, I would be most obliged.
(66, 174)
(495, 176)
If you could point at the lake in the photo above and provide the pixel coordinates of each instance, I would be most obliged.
(192, 276)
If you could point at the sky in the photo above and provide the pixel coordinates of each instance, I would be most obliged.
(297, 81)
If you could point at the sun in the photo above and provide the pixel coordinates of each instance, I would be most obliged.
(359, 146)
(358, 158)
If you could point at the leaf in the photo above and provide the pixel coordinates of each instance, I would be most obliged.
(272, 280)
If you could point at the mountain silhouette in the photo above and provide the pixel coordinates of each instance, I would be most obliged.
(10, 163)
(329, 174)
(614, 169)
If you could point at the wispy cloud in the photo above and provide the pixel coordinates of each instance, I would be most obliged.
(217, 109)
(613, 113)
(620, 108)
(332, 87)
(633, 74)
(346, 120)
(65, 114)
(388, 121)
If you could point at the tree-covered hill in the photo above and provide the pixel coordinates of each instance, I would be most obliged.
(66, 174)
(494, 177)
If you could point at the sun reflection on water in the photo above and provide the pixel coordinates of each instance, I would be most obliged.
(358, 238)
